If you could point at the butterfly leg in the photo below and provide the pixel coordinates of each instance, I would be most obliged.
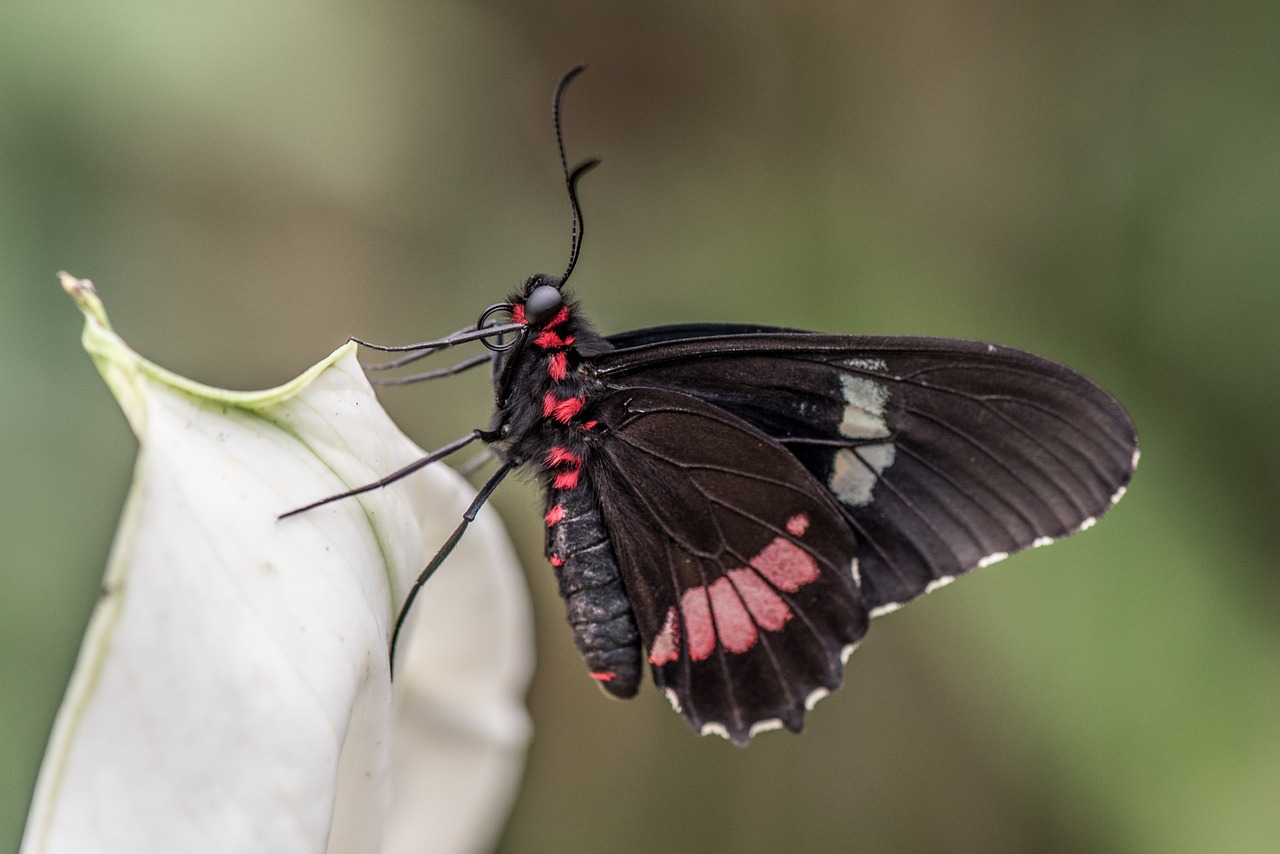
(425, 348)
(415, 351)
(430, 458)
(467, 518)
(465, 364)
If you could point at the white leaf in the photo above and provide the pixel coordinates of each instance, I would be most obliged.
(232, 692)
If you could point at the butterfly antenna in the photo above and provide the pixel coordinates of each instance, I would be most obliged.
(570, 178)
(577, 216)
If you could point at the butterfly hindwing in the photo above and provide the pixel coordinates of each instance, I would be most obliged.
(739, 566)
(942, 454)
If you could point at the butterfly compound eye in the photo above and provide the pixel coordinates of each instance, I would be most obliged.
(542, 305)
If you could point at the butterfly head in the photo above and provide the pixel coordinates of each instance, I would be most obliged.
(548, 331)
(542, 300)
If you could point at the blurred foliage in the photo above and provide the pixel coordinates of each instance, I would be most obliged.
(248, 184)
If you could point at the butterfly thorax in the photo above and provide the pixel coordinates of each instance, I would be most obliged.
(541, 389)
(543, 416)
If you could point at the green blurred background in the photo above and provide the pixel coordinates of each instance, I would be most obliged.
(248, 184)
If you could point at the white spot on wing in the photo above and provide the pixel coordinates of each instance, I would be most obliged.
(715, 729)
(1115, 499)
(864, 402)
(884, 609)
(853, 568)
(994, 557)
(1042, 541)
(939, 582)
(763, 726)
(854, 472)
(672, 699)
(1087, 524)
(846, 652)
(814, 696)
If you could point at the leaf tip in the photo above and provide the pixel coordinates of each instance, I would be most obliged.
(85, 297)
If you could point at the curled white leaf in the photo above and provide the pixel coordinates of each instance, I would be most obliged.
(232, 692)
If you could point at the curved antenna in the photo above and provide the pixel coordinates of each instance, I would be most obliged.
(555, 112)
(578, 228)
(570, 178)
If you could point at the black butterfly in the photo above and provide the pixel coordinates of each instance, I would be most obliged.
(734, 503)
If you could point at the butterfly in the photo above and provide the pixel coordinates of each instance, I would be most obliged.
(730, 505)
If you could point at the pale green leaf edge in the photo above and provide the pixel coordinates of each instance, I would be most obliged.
(122, 367)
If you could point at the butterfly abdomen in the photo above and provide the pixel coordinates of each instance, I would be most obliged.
(604, 628)
(548, 413)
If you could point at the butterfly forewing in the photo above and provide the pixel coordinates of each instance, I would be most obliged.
(738, 564)
(942, 454)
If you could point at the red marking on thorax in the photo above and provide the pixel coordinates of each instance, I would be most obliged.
(566, 479)
(555, 515)
(549, 340)
(559, 456)
(518, 316)
(556, 560)
(561, 409)
(561, 316)
(558, 367)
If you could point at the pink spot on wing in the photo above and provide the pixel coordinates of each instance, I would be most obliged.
(666, 646)
(787, 566)
(697, 622)
(734, 626)
(764, 603)
(555, 515)
(603, 677)
(736, 607)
